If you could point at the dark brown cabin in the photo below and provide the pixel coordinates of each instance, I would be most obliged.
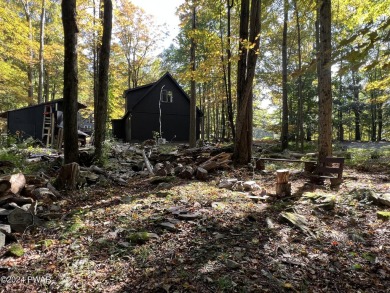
(146, 104)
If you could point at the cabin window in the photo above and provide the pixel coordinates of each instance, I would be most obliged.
(166, 96)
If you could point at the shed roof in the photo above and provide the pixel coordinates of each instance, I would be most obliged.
(5, 114)
(148, 88)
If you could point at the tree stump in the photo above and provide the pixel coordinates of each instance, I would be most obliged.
(201, 174)
(68, 176)
(283, 187)
(260, 165)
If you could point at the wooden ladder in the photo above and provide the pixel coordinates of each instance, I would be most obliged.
(48, 125)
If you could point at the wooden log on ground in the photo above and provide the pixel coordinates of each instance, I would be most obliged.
(20, 220)
(147, 163)
(5, 186)
(18, 181)
(282, 188)
(201, 174)
(282, 176)
(220, 160)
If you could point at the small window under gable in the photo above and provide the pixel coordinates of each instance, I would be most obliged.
(166, 96)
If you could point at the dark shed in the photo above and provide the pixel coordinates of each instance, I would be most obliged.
(28, 121)
(163, 100)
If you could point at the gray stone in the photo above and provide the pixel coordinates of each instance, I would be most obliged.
(227, 183)
(251, 186)
(169, 226)
(2, 239)
(5, 228)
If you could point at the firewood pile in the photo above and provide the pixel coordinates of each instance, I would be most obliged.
(19, 197)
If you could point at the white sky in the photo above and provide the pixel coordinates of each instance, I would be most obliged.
(164, 12)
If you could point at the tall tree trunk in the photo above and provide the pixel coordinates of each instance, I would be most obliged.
(70, 92)
(96, 50)
(230, 5)
(356, 108)
(30, 67)
(41, 50)
(284, 134)
(104, 64)
(249, 26)
(300, 97)
(380, 121)
(373, 115)
(340, 112)
(325, 81)
(192, 138)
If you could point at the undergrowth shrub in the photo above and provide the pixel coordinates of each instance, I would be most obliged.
(369, 159)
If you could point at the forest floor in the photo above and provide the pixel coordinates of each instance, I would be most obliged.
(132, 238)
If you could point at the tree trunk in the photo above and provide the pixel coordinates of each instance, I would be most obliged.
(70, 91)
(325, 82)
(340, 110)
(30, 68)
(284, 134)
(300, 97)
(41, 50)
(229, 73)
(356, 108)
(192, 138)
(380, 121)
(104, 63)
(245, 76)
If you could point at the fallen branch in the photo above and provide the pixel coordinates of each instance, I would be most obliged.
(147, 163)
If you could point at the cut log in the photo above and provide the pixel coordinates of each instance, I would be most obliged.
(5, 186)
(18, 181)
(20, 220)
(282, 176)
(186, 173)
(68, 176)
(201, 174)
(219, 161)
(282, 188)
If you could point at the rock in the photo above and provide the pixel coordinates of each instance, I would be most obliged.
(227, 183)
(2, 239)
(218, 205)
(188, 216)
(239, 186)
(380, 199)
(201, 174)
(5, 228)
(231, 264)
(383, 215)
(168, 226)
(251, 186)
(169, 168)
